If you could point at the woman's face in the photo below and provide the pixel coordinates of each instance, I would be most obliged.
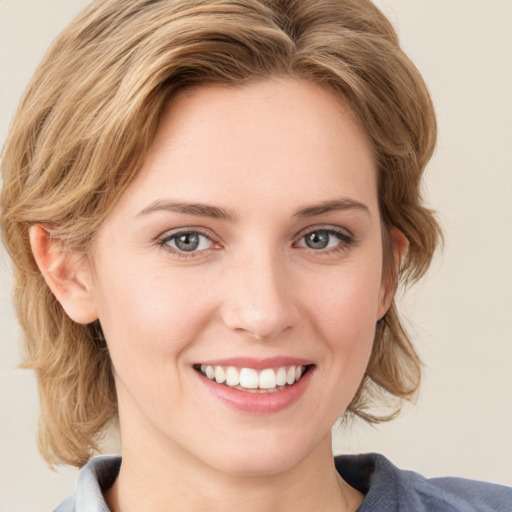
(248, 249)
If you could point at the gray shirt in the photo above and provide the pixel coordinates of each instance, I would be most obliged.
(386, 488)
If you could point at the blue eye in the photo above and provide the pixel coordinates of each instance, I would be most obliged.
(321, 239)
(187, 241)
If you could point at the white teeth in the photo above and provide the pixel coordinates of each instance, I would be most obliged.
(281, 377)
(220, 374)
(232, 376)
(210, 372)
(267, 379)
(249, 378)
(290, 375)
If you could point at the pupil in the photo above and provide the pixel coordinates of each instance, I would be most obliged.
(317, 240)
(187, 242)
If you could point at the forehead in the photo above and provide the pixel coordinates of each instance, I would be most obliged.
(271, 140)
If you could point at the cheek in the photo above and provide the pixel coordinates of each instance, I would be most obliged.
(347, 299)
(345, 312)
(149, 315)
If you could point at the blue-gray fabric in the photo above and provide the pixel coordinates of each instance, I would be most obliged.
(389, 489)
(386, 488)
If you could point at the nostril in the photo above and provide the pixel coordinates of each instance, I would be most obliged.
(261, 324)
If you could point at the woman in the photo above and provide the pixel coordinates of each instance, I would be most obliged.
(215, 201)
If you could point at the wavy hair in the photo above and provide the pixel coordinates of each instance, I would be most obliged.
(90, 113)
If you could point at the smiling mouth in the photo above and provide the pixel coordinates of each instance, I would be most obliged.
(267, 380)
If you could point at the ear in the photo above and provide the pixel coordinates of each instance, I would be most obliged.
(399, 244)
(67, 275)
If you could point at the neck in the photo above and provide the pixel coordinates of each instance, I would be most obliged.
(163, 481)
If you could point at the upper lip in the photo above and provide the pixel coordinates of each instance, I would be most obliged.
(257, 363)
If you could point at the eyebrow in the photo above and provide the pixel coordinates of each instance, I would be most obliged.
(337, 205)
(196, 209)
(215, 212)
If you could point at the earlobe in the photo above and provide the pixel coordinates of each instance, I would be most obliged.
(65, 273)
(399, 244)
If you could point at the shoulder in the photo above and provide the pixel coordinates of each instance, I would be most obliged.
(94, 478)
(389, 489)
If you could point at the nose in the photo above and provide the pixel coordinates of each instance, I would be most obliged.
(260, 299)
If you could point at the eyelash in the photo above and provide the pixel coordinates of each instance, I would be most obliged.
(168, 237)
(346, 240)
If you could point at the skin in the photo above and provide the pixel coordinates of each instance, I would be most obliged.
(260, 154)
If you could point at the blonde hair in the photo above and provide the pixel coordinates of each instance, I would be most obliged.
(86, 121)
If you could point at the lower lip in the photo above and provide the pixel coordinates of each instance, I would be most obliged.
(259, 403)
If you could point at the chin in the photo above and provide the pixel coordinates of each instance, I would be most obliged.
(261, 466)
(253, 459)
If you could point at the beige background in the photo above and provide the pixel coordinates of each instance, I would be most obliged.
(461, 316)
